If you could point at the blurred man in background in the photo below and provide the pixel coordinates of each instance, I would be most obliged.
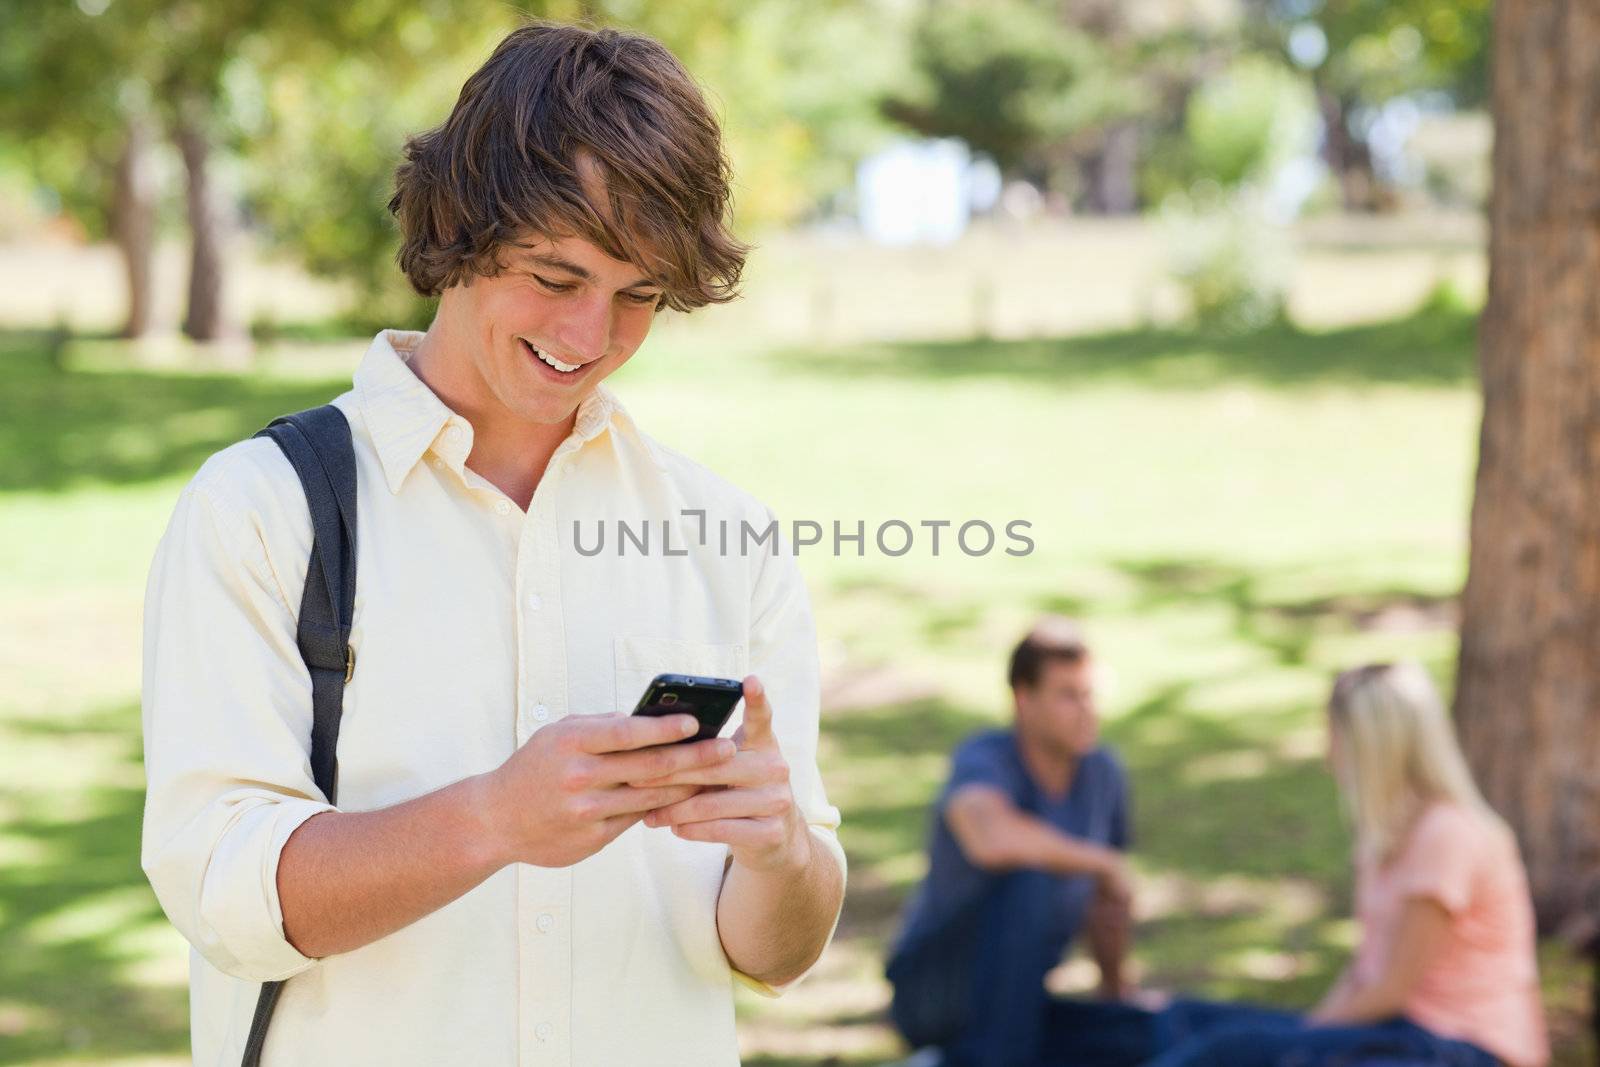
(1026, 850)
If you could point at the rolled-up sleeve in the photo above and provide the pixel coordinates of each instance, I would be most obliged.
(783, 654)
(227, 726)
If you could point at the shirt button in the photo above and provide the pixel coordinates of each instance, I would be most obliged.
(543, 1031)
(534, 602)
(454, 433)
(541, 712)
(545, 922)
(503, 506)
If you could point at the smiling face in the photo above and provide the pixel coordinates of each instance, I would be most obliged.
(578, 184)
(559, 303)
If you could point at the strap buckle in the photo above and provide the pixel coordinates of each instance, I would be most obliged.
(349, 663)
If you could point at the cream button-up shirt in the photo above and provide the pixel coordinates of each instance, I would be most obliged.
(476, 625)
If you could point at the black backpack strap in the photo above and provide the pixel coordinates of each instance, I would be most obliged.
(317, 443)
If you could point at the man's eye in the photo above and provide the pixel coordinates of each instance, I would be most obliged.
(554, 287)
(643, 298)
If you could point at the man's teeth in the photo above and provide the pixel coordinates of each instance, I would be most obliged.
(564, 368)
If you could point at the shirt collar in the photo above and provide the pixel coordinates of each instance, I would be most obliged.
(407, 419)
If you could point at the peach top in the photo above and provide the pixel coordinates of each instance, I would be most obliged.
(1483, 986)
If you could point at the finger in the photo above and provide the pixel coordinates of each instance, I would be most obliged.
(745, 769)
(734, 772)
(622, 733)
(651, 766)
(757, 726)
(751, 833)
(625, 800)
(723, 804)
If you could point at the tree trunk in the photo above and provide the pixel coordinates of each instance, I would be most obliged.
(1346, 155)
(206, 319)
(133, 222)
(1528, 689)
(1111, 174)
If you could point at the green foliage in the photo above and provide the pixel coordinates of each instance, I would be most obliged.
(68, 81)
(332, 123)
(1010, 78)
(1244, 124)
(1379, 49)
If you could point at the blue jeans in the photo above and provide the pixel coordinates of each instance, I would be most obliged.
(977, 992)
(1203, 1034)
(1197, 1033)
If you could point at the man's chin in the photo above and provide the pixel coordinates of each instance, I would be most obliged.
(550, 411)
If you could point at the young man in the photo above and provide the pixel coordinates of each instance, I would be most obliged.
(517, 872)
(1026, 849)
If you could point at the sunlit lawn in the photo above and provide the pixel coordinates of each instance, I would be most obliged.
(1233, 520)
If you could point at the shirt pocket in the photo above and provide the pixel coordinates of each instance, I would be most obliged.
(638, 659)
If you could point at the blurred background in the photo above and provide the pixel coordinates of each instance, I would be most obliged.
(1191, 286)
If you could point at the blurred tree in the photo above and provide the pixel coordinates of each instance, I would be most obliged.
(325, 128)
(88, 85)
(1529, 673)
(1072, 94)
(77, 104)
(1248, 121)
(1015, 82)
(203, 51)
(315, 103)
(1361, 54)
(1163, 49)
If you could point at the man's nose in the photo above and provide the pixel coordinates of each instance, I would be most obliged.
(586, 331)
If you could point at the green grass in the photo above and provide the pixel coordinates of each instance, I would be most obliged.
(1233, 519)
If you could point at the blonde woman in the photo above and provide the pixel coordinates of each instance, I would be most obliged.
(1445, 972)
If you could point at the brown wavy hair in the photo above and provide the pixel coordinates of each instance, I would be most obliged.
(556, 104)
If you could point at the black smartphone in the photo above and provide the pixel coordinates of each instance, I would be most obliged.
(710, 700)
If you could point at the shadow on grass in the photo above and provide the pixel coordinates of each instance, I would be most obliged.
(1278, 817)
(1285, 629)
(1435, 346)
(73, 916)
(61, 428)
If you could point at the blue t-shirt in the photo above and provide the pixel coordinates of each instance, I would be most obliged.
(1094, 809)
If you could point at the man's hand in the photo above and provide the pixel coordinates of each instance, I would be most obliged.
(565, 794)
(1112, 881)
(749, 806)
(1110, 933)
(347, 878)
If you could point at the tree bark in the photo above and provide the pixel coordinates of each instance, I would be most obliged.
(133, 221)
(1347, 156)
(1111, 174)
(206, 319)
(1528, 689)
